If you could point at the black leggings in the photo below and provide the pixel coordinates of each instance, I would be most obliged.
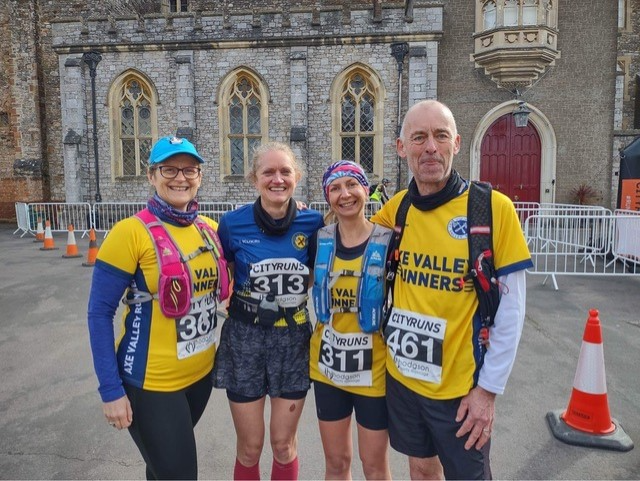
(162, 428)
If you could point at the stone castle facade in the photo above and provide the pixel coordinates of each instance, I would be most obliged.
(294, 71)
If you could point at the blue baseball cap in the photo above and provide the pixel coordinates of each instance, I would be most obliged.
(169, 146)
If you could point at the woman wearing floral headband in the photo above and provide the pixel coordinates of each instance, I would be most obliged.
(347, 361)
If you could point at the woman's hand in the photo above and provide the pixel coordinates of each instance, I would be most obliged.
(118, 412)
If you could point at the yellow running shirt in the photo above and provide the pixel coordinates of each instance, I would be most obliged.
(430, 334)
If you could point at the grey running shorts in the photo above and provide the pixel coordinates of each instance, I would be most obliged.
(254, 360)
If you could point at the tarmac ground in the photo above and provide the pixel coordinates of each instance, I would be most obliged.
(52, 427)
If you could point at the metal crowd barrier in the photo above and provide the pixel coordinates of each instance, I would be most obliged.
(582, 244)
(525, 209)
(22, 218)
(625, 239)
(106, 214)
(215, 209)
(563, 239)
(60, 215)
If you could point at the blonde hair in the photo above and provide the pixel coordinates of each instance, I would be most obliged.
(330, 217)
(262, 149)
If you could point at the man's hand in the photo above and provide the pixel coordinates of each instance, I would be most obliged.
(477, 409)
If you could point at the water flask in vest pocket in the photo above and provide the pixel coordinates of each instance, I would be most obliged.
(174, 285)
(174, 294)
(321, 273)
(371, 287)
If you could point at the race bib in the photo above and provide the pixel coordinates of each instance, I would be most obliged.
(346, 359)
(415, 342)
(286, 278)
(197, 330)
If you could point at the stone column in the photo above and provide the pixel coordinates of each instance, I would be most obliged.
(185, 95)
(432, 70)
(421, 82)
(74, 127)
(299, 109)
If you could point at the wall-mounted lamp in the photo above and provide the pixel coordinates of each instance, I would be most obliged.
(521, 114)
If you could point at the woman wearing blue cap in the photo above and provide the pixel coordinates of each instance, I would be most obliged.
(157, 381)
(347, 360)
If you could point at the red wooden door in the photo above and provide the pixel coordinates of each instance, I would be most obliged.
(510, 159)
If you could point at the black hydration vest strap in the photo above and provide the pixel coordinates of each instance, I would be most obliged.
(393, 256)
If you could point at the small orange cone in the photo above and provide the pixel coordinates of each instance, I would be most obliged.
(587, 421)
(39, 231)
(48, 238)
(72, 247)
(92, 253)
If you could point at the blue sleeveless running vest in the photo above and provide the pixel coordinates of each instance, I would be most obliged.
(371, 281)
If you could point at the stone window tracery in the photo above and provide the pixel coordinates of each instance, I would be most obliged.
(357, 118)
(489, 15)
(133, 113)
(529, 12)
(356, 130)
(510, 13)
(243, 122)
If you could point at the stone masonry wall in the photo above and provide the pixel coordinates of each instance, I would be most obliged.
(577, 95)
(257, 41)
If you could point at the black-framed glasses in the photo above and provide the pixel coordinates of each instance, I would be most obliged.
(171, 172)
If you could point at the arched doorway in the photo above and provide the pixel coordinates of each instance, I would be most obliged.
(547, 139)
(510, 159)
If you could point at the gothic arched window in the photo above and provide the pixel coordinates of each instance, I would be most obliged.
(489, 15)
(243, 119)
(133, 115)
(357, 118)
(510, 13)
(529, 12)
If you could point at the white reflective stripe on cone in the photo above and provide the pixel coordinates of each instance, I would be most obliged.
(590, 376)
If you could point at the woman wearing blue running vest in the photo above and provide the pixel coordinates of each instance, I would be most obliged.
(157, 381)
(347, 362)
(264, 344)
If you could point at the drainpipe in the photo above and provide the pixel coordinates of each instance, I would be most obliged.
(399, 50)
(92, 59)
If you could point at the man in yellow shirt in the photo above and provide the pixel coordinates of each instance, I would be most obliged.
(442, 380)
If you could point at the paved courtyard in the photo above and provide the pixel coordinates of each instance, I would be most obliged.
(51, 423)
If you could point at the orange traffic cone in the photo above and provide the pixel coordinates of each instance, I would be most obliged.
(92, 253)
(587, 421)
(72, 247)
(39, 231)
(48, 238)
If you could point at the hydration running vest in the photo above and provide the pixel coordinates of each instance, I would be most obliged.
(482, 270)
(174, 284)
(371, 281)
